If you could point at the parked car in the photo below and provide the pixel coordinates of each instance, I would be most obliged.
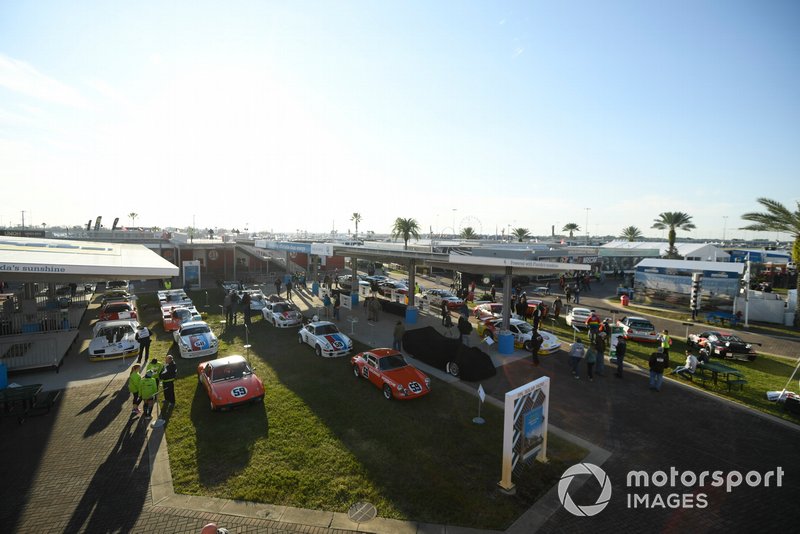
(117, 284)
(257, 299)
(722, 344)
(231, 285)
(523, 334)
(119, 295)
(576, 317)
(326, 339)
(114, 310)
(230, 382)
(174, 316)
(387, 286)
(488, 310)
(196, 340)
(282, 314)
(176, 297)
(113, 339)
(434, 297)
(387, 370)
(638, 329)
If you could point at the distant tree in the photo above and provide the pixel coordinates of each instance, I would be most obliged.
(211, 233)
(356, 218)
(520, 234)
(631, 233)
(468, 233)
(673, 220)
(571, 227)
(778, 218)
(133, 216)
(405, 229)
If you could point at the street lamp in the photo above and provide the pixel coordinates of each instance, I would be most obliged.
(724, 226)
(454, 222)
(587, 225)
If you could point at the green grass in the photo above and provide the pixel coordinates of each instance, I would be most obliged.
(325, 440)
(766, 373)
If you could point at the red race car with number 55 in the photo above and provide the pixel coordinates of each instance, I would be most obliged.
(230, 382)
(388, 370)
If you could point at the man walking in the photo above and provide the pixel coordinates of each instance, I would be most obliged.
(465, 329)
(658, 362)
(227, 305)
(445, 313)
(622, 346)
(397, 335)
(143, 337)
(167, 376)
(576, 353)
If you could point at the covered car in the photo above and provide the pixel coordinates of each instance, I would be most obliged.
(281, 314)
(326, 339)
(387, 370)
(113, 339)
(116, 294)
(488, 310)
(723, 344)
(196, 340)
(174, 297)
(448, 354)
(230, 382)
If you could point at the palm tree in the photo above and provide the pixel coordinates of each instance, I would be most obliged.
(778, 218)
(405, 228)
(520, 234)
(133, 216)
(571, 227)
(356, 218)
(468, 233)
(673, 220)
(631, 233)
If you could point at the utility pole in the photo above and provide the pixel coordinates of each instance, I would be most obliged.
(23, 219)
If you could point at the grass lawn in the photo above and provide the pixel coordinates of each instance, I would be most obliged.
(325, 440)
(766, 373)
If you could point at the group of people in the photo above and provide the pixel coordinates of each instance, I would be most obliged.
(595, 354)
(144, 384)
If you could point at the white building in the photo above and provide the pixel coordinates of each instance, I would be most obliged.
(689, 251)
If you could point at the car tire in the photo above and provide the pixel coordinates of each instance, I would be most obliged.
(318, 350)
(528, 345)
(453, 369)
(387, 392)
(300, 339)
(213, 408)
(356, 372)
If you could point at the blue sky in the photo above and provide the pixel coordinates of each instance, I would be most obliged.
(293, 115)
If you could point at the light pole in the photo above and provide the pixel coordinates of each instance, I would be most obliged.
(587, 225)
(454, 222)
(724, 226)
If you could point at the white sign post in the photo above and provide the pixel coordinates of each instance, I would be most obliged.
(525, 420)
(481, 398)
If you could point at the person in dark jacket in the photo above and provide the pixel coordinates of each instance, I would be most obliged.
(168, 375)
(143, 337)
(536, 344)
(465, 329)
(622, 346)
(658, 362)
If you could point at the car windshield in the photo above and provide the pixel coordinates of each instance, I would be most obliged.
(731, 338)
(394, 361)
(117, 308)
(232, 371)
(281, 308)
(326, 329)
(524, 328)
(182, 314)
(195, 330)
(642, 325)
(114, 333)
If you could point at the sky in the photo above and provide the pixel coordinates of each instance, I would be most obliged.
(293, 115)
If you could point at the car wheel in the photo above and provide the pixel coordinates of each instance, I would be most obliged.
(259, 399)
(213, 408)
(387, 392)
(318, 350)
(356, 372)
(300, 339)
(528, 345)
(453, 369)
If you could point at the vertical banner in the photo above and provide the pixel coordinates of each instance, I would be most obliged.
(525, 421)
(191, 274)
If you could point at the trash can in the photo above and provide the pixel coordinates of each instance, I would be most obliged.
(505, 343)
(3, 376)
(412, 314)
(624, 300)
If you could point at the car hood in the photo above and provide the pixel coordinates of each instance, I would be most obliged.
(338, 341)
(224, 388)
(404, 375)
(198, 341)
(101, 343)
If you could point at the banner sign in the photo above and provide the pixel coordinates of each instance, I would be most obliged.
(191, 274)
(525, 426)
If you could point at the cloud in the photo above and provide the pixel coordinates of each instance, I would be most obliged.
(23, 78)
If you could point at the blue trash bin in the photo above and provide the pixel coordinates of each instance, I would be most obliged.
(505, 343)
(315, 289)
(3, 376)
(412, 314)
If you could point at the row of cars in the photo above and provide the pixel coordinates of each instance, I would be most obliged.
(114, 333)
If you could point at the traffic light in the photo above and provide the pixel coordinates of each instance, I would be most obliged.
(697, 282)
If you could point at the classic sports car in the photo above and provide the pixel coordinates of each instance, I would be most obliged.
(388, 371)
(577, 317)
(434, 298)
(387, 286)
(173, 316)
(326, 339)
(175, 297)
(113, 339)
(523, 333)
(117, 284)
(231, 285)
(115, 294)
(638, 329)
(281, 314)
(196, 340)
(230, 382)
(722, 344)
(257, 299)
(114, 310)
(488, 310)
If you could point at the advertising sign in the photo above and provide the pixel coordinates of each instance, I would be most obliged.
(524, 426)
(191, 274)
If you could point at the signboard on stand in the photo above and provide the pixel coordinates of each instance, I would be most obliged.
(191, 274)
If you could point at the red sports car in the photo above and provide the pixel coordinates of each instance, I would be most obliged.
(113, 311)
(388, 370)
(230, 382)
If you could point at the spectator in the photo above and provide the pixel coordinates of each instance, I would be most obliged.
(375, 307)
(245, 305)
(326, 303)
(622, 346)
(277, 283)
(143, 337)
(168, 375)
(134, 382)
(227, 305)
(234, 307)
(689, 368)
(155, 367)
(666, 342)
(576, 353)
(148, 389)
(337, 303)
(537, 314)
(591, 359)
(445, 312)
(464, 328)
(600, 348)
(577, 294)
(536, 344)
(397, 335)
(658, 362)
(568, 294)
(593, 323)
(493, 293)
(557, 307)
(289, 290)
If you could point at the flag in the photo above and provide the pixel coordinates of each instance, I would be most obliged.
(481, 393)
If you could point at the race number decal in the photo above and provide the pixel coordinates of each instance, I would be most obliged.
(414, 387)
(338, 344)
(239, 391)
(365, 372)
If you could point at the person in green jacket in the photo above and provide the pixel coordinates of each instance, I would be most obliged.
(156, 367)
(148, 388)
(134, 380)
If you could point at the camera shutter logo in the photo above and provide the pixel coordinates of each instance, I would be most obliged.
(602, 500)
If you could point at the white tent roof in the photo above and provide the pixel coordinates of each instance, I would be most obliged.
(727, 267)
(703, 250)
(25, 259)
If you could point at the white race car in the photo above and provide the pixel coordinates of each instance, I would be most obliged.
(257, 299)
(326, 339)
(196, 340)
(113, 339)
(176, 297)
(281, 314)
(523, 334)
(576, 318)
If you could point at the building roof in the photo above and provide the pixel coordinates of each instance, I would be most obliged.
(25, 259)
(684, 249)
(721, 266)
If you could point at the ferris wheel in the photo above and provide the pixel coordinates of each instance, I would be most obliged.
(471, 222)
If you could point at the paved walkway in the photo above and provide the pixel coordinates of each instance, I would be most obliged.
(86, 467)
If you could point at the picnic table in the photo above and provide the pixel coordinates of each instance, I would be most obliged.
(720, 317)
(17, 401)
(730, 375)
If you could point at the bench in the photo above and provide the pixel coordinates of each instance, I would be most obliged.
(701, 376)
(737, 382)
